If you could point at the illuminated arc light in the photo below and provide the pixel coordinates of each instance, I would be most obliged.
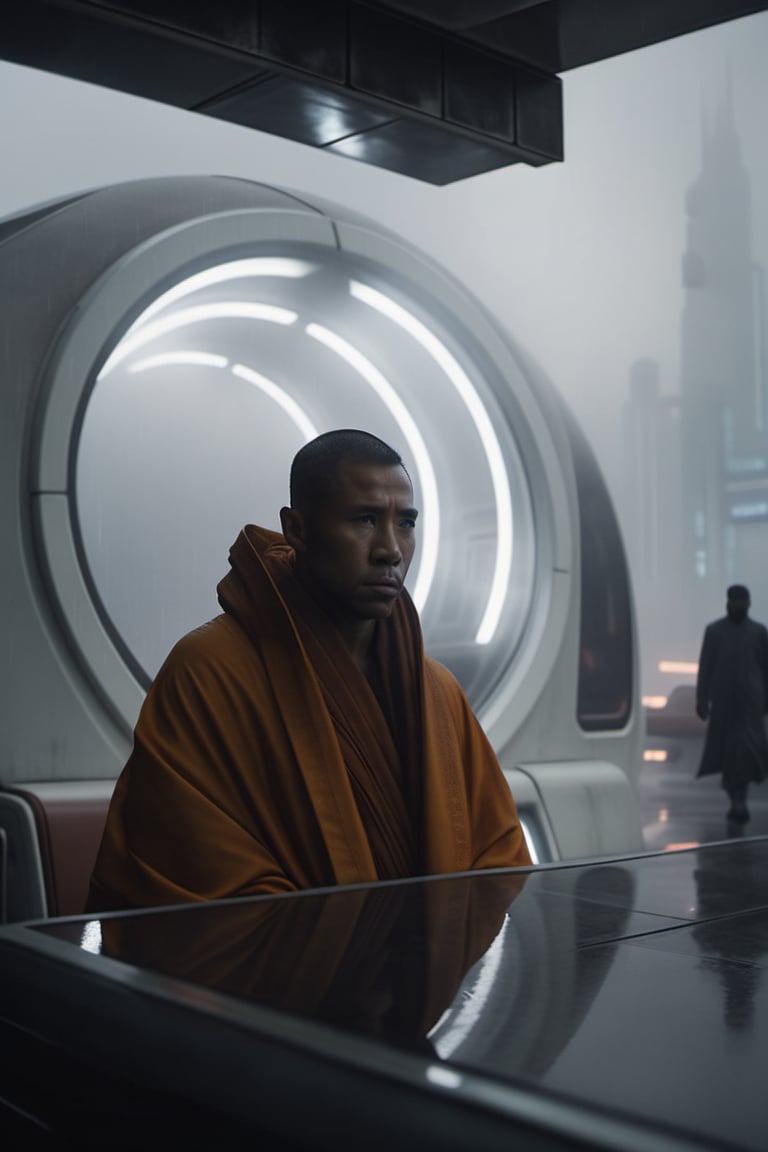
(280, 396)
(233, 270)
(211, 360)
(140, 334)
(401, 415)
(168, 359)
(461, 382)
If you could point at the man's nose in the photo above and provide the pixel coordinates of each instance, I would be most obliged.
(386, 546)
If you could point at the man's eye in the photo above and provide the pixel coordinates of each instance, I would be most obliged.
(409, 522)
(366, 518)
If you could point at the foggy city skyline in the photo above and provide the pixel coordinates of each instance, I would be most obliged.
(695, 498)
(582, 262)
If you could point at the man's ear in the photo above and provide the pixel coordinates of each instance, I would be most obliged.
(292, 523)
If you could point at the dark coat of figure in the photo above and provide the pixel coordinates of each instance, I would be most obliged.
(732, 694)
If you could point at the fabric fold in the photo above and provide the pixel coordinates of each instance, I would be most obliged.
(263, 761)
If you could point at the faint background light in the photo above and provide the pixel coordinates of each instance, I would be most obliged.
(681, 667)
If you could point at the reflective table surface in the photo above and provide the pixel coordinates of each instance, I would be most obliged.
(633, 990)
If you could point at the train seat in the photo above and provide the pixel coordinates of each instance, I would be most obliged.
(52, 834)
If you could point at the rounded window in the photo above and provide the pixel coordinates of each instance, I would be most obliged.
(197, 405)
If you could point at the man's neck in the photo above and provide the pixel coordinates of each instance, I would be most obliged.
(358, 635)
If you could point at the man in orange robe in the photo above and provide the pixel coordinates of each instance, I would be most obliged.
(303, 738)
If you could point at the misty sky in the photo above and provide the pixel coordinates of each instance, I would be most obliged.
(580, 260)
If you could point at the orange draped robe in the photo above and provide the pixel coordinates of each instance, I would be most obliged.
(263, 762)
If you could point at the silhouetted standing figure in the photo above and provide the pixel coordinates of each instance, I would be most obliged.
(732, 694)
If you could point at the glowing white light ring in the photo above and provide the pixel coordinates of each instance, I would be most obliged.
(164, 359)
(210, 360)
(448, 364)
(386, 393)
(280, 396)
(226, 310)
(280, 266)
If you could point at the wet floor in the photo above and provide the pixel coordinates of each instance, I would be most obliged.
(677, 809)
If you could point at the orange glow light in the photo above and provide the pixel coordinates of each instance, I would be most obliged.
(680, 666)
(682, 846)
(654, 701)
(657, 754)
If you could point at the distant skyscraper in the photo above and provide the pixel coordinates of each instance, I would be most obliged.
(723, 443)
(641, 460)
(651, 512)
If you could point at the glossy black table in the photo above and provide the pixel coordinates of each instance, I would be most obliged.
(617, 1004)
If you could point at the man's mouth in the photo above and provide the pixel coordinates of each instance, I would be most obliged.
(389, 584)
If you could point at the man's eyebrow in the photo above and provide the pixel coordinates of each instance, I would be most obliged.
(376, 506)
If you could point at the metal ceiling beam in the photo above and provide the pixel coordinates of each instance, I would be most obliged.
(343, 75)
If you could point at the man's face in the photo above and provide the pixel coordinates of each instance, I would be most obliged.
(358, 544)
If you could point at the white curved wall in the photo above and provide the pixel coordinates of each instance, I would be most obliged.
(132, 242)
(476, 427)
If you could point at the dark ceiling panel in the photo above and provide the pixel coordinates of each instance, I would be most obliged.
(297, 110)
(532, 36)
(344, 74)
(127, 56)
(233, 24)
(466, 85)
(460, 14)
(480, 91)
(424, 152)
(539, 127)
(557, 35)
(597, 29)
(376, 41)
(307, 35)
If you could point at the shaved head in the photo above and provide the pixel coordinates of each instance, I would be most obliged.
(314, 472)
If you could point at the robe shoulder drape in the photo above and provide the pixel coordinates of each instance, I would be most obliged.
(263, 761)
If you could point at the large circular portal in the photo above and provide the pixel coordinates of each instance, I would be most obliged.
(196, 413)
(207, 351)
